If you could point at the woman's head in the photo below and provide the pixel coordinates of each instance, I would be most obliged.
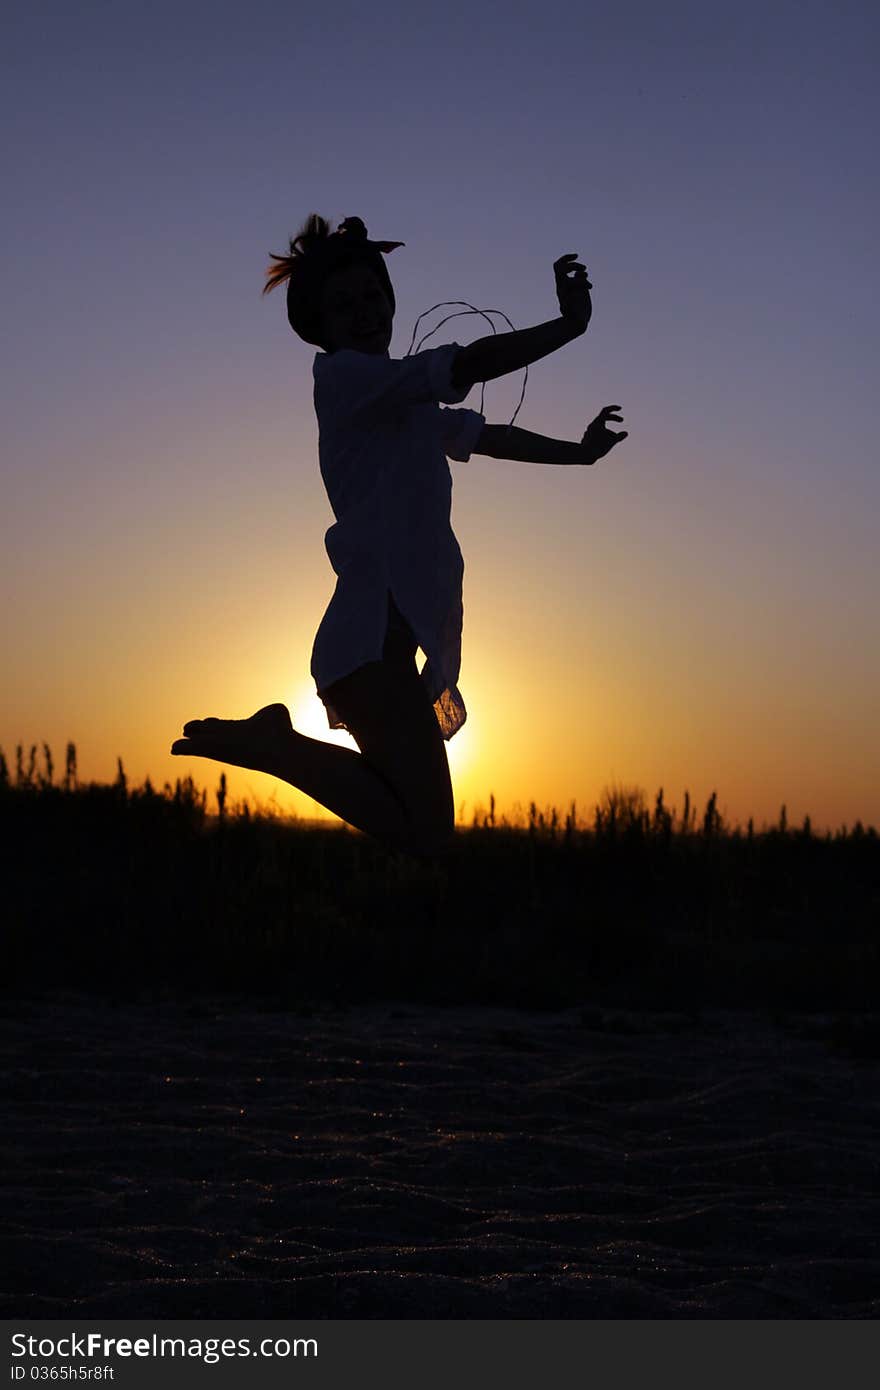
(338, 286)
(355, 311)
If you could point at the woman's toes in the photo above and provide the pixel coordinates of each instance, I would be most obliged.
(199, 726)
(199, 748)
(267, 726)
(193, 746)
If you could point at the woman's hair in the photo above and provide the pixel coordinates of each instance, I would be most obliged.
(314, 254)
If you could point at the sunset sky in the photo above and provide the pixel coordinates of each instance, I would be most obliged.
(700, 610)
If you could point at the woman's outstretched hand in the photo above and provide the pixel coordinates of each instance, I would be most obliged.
(573, 292)
(598, 439)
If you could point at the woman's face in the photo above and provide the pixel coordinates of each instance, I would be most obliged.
(355, 311)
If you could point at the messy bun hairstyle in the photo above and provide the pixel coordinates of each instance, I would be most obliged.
(314, 254)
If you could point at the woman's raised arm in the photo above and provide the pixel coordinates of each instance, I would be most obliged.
(501, 353)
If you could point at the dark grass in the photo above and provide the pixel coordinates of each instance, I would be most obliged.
(134, 893)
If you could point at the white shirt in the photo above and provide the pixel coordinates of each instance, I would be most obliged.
(383, 442)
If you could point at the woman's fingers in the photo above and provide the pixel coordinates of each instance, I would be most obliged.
(567, 263)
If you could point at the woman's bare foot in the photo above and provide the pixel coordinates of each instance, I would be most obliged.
(255, 743)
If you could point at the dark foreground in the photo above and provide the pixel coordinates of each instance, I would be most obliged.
(205, 1159)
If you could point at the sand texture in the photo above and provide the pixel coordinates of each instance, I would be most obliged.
(206, 1159)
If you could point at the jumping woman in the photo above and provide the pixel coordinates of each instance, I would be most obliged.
(384, 440)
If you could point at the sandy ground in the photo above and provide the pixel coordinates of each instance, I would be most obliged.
(211, 1160)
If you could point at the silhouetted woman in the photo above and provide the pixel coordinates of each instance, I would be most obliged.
(384, 440)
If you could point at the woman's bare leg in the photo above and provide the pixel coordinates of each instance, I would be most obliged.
(338, 778)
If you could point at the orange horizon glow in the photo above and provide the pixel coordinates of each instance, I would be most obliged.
(564, 697)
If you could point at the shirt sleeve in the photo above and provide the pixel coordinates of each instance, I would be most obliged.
(459, 431)
(365, 385)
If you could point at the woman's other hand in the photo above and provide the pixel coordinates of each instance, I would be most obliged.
(598, 440)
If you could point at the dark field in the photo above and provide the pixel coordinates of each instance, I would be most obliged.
(137, 894)
(253, 1069)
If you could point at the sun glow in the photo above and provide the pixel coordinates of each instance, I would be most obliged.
(310, 718)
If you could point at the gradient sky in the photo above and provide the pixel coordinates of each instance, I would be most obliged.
(700, 610)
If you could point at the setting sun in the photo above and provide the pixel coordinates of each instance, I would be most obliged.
(310, 718)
